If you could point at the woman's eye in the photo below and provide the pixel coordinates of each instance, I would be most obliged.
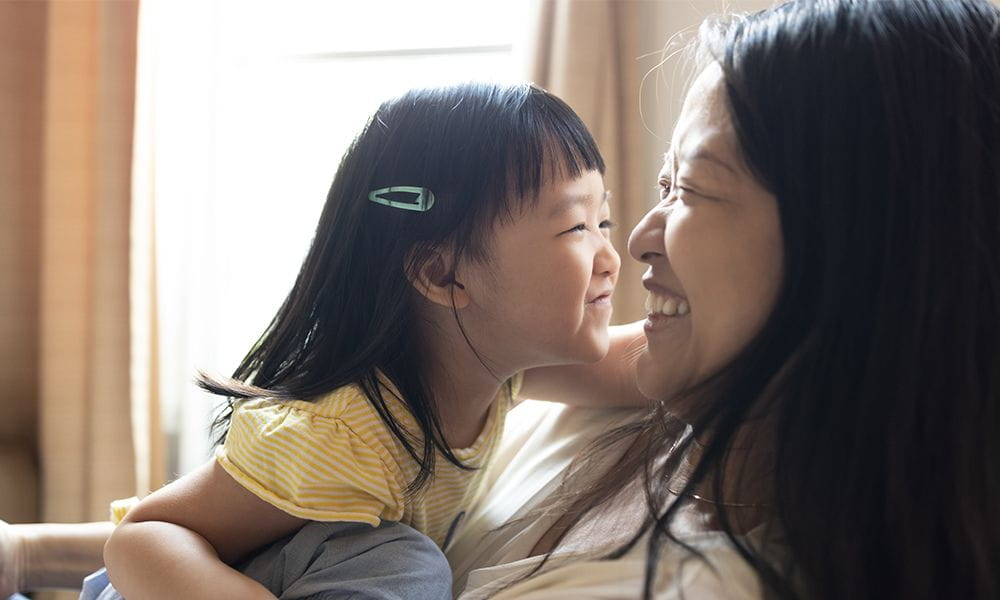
(665, 186)
(607, 224)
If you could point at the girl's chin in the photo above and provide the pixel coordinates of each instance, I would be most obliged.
(594, 354)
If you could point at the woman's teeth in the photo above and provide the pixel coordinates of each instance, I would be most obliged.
(666, 305)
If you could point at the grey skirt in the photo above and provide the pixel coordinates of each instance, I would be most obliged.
(327, 561)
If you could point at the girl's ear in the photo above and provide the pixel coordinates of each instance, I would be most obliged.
(434, 278)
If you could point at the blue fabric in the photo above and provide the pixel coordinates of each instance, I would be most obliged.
(324, 561)
(18, 597)
(97, 587)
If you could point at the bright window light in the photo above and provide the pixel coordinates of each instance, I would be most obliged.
(253, 105)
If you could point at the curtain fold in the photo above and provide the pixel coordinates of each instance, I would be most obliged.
(85, 441)
(67, 92)
(587, 53)
(22, 90)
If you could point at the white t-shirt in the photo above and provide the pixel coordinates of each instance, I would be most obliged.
(491, 562)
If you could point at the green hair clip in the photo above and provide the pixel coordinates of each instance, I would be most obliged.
(423, 201)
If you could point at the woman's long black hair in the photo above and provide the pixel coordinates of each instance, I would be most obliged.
(876, 124)
(483, 150)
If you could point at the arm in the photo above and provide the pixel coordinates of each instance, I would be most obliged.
(608, 382)
(49, 555)
(177, 541)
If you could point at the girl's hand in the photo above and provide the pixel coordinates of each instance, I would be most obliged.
(11, 558)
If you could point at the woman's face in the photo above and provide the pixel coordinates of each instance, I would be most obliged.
(713, 246)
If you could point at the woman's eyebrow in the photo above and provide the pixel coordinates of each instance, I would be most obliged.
(668, 162)
(700, 153)
(706, 155)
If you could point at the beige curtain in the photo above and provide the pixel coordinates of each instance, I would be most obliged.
(586, 52)
(67, 91)
(22, 58)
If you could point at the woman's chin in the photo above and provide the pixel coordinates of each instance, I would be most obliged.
(655, 378)
(648, 377)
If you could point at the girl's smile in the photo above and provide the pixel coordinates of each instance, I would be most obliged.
(550, 279)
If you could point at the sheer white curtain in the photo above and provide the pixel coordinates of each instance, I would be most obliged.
(246, 109)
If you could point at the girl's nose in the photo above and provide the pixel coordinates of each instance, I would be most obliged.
(646, 241)
(607, 261)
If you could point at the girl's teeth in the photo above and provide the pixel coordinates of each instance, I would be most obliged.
(666, 305)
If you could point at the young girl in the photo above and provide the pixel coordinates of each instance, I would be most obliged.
(464, 240)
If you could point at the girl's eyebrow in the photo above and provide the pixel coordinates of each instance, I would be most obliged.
(571, 201)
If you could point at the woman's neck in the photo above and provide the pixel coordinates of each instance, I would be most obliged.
(746, 493)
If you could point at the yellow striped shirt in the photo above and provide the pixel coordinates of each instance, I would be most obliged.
(334, 459)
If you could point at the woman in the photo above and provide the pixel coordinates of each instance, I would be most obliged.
(830, 219)
(830, 213)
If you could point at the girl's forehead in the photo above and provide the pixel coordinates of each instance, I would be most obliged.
(562, 196)
(564, 191)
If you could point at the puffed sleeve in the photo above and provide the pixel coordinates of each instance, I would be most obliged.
(119, 508)
(515, 385)
(311, 465)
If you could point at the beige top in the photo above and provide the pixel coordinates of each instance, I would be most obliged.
(540, 440)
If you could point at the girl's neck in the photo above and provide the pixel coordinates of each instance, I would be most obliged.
(462, 389)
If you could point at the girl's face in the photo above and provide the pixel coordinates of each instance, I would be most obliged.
(714, 249)
(545, 297)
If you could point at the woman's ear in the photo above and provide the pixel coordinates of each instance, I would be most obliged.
(434, 278)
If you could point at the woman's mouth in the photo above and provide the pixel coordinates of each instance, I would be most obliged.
(662, 305)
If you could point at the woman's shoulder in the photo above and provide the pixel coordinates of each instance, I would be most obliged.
(716, 572)
(719, 572)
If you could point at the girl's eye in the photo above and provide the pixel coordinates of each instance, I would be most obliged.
(605, 224)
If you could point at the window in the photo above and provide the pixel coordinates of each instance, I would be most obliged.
(252, 105)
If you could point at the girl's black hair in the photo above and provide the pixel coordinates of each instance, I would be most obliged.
(876, 124)
(484, 150)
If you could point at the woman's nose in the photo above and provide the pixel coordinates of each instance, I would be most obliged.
(646, 241)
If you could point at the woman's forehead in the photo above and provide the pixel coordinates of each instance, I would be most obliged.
(704, 130)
